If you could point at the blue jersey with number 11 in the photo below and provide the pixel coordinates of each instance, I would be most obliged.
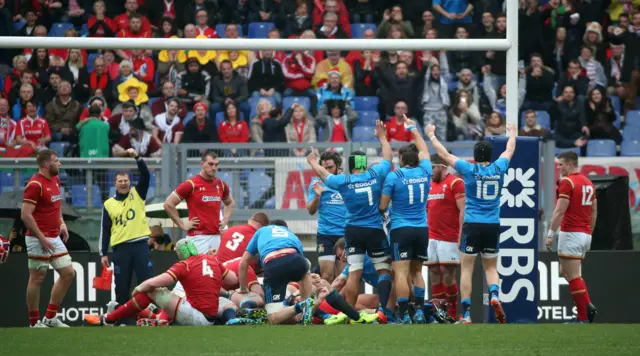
(361, 194)
(408, 189)
(483, 186)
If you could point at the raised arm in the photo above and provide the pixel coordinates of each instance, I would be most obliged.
(417, 138)
(312, 159)
(440, 149)
(381, 134)
(511, 144)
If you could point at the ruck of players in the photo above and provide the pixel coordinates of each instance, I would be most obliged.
(376, 223)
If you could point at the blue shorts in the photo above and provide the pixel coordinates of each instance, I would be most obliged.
(410, 243)
(325, 245)
(361, 240)
(480, 238)
(279, 272)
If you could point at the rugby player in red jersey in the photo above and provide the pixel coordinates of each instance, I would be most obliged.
(445, 213)
(255, 297)
(575, 213)
(202, 276)
(42, 216)
(234, 241)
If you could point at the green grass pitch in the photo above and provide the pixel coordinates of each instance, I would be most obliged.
(387, 340)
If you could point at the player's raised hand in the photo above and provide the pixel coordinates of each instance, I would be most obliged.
(312, 157)
(430, 129)
(317, 187)
(381, 131)
(132, 153)
(511, 128)
(408, 122)
(191, 224)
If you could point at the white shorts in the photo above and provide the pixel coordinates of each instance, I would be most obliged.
(573, 244)
(443, 253)
(187, 315)
(38, 258)
(204, 242)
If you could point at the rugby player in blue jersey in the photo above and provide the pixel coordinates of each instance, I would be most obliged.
(364, 234)
(481, 229)
(408, 187)
(332, 216)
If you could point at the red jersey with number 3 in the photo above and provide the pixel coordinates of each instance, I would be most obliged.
(204, 199)
(234, 242)
(581, 193)
(442, 210)
(201, 277)
(234, 266)
(45, 194)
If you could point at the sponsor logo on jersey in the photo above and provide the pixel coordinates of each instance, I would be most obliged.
(210, 198)
(435, 196)
(363, 184)
(335, 199)
(55, 198)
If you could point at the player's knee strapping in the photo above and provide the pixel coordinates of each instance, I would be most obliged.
(248, 304)
(356, 262)
(381, 263)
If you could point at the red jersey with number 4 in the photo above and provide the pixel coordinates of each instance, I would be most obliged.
(442, 210)
(234, 242)
(45, 194)
(581, 193)
(201, 277)
(204, 199)
(234, 266)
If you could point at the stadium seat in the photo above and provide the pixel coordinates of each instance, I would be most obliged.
(59, 28)
(367, 118)
(59, 147)
(92, 57)
(18, 25)
(631, 133)
(452, 86)
(630, 148)
(358, 29)
(79, 196)
(290, 100)
(632, 119)
(188, 118)
(271, 203)
(364, 134)
(366, 103)
(601, 148)
(220, 118)
(258, 184)
(543, 119)
(615, 102)
(464, 151)
(259, 29)
(618, 122)
(63, 175)
(574, 149)
(253, 103)
(220, 30)
(6, 182)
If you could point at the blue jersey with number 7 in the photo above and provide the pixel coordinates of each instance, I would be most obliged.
(361, 194)
(483, 186)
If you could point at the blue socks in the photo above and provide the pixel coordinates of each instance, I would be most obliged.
(229, 314)
(494, 291)
(466, 307)
(418, 293)
(403, 306)
(384, 289)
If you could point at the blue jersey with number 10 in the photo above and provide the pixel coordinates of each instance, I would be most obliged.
(361, 194)
(408, 189)
(272, 238)
(483, 186)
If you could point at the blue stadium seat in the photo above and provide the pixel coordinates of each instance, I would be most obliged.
(18, 25)
(290, 100)
(574, 149)
(601, 148)
(358, 29)
(463, 151)
(615, 102)
(618, 121)
(258, 184)
(259, 29)
(631, 133)
(6, 182)
(253, 103)
(632, 119)
(543, 119)
(90, 58)
(367, 118)
(59, 28)
(630, 148)
(63, 176)
(366, 103)
(220, 30)
(188, 117)
(364, 134)
(452, 86)
(84, 30)
(59, 147)
(79, 196)
(271, 203)
(220, 118)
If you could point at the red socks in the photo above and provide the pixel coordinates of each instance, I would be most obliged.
(580, 296)
(146, 314)
(34, 316)
(52, 311)
(451, 293)
(437, 291)
(134, 306)
(162, 315)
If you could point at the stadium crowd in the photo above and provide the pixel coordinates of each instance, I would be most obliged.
(578, 75)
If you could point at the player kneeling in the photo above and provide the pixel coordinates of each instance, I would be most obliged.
(202, 276)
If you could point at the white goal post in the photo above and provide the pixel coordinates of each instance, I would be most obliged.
(510, 44)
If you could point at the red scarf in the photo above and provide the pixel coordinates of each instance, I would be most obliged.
(300, 130)
(96, 82)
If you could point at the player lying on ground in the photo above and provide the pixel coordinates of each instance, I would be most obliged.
(254, 298)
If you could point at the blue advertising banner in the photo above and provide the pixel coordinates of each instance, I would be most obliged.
(518, 258)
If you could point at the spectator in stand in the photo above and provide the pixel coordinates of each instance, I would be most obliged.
(266, 78)
(160, 106)
(467, 83)
(202, 24)
(435, 101)
(568, 117)
(531, 127)
(25, 94)
(498, 99)
(495, 62)
(273, 131)
(6, 29)
(123, 21)
(540, 82)
(206, 59)
(619, 7)
(263, 110)
(530, 27)
(334, 62)
(26, 77)
(341, 23)
(600, 117)
(559, 56)
(59, 64)
(298, 68)
(615, 65)
(120, 124)
(459, 60)
(262, 10)
(136, 91)
(362, 66)
(201, 129)
(337, 119)
(593, 68)
(134, 30)
(300, 129)
(279, 56)
(392, 17)
(168, 29)
(139, 139)
(466, 118)
(495, 125)
(170, 64)
(100, 102)
(396, 130)
(299, 21)
(110, 65)
(362, 11)
(31, 19)
(63, 113)
(75, 63)
(190, 11)
(399, 86)
(317, 55)
(125, 71)
(93, 135)
(143, 67)
(39, 63)
(39, 31)
(167, 127)
(13, 78)
(229, 87)
(575, 77)
(333, 89)
(51, 90)
(54, 11)
(239, 60)
(76, 14)
(428, 23)
(100, 25)
(233, 129)
(99, 82)
(452, 14)
(330, 28)
(553, 15)
(190, 31)
(7, 130)
(593, 39)
(32, 132)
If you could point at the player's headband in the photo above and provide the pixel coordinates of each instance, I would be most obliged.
(185, 249)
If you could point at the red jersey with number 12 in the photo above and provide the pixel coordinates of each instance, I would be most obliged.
(581, 193)
(204, 200)
(201, 277)
(234, 242)
(45, 194)
(442, 210)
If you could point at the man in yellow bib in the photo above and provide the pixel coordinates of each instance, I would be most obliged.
(125, 228)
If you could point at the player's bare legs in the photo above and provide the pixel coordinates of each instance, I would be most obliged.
(401, 285)
(466, 276)
(351, 288)
(61, 286)
(490, 266)
(327, 268)
(367, 301)
(570, 268)
(36, 277)
(418, 290)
